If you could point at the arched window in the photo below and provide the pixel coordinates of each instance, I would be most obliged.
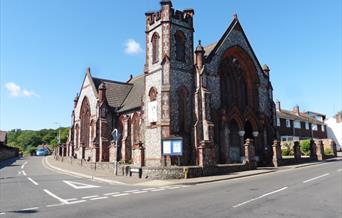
(77, 135)
(180, 46)
(155, 48)
(85, 122)
(152, 106)
(152, 94)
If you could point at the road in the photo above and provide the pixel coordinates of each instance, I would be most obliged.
(29, 188)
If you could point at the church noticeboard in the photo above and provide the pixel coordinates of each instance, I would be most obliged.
(172, 147)
(152, 112)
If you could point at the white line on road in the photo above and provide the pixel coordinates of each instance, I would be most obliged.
(113, 193)
(99, 198)
(22, 166)
(24, 173)
(71, 199)
(92, 196)
(174, 187)
(158, 190)
(34, 182)
(31, 208)
(2, 213)
(309, 180)
(139, 192)
(132, 191)
(63, 201)
(262, 196)
(339, 170)
(79, 185)
(119, 195)
(149, 189)
(76, 202)
(54, 205)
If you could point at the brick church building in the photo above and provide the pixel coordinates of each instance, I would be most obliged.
(212, 98)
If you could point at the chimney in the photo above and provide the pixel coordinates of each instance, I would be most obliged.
(296, 109)
(102, 92)
(199, 55)
(278, 106)
(76, 100)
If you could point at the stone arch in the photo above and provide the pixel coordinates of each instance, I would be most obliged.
(155, 47)
(238, 78)
(152, 93)
(234, 114)
(85, 122)
(180, 45)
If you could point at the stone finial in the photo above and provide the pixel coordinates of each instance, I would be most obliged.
(88, 70)
(102, 92)
(199, 55)
(266, 70)
(76, 100)
(235, 16)
(166, 2)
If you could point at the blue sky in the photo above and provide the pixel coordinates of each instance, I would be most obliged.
(46, 47)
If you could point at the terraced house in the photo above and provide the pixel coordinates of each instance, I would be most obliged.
(295, 125)
(199, 104)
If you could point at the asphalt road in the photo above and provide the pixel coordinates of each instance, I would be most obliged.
(29, 188)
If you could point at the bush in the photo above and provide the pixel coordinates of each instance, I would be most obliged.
(305, 147)
(328, 151)
(287, 149)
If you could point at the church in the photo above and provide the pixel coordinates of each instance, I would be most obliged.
(193, 105)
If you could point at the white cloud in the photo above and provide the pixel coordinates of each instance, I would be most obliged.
(13, 88)
(16, 91)
(132, 47)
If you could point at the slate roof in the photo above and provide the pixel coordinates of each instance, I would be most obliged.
(3, 135)
(285, 114)
(124, 96)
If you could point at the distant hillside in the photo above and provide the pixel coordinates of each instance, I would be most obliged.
(28, 140)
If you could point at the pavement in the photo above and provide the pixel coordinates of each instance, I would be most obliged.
(30, 187)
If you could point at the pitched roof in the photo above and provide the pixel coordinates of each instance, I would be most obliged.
(116, 92)
(3, 135)
(124, 96)
(285, 114)
(135, 95)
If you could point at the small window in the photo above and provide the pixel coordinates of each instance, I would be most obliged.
(288, 124)
(322, 127)
(296, 124)
(278, 121)
(306, 125)
(314, 127)
(155, 48)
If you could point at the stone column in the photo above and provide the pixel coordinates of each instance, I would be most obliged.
(242, 139)
(313, 155)
(276, 153)
(113, 152)
(319, 150)
(206, 154)
(296, 150)
(250, 153)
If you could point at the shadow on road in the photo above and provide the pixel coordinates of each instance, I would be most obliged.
(9, 162)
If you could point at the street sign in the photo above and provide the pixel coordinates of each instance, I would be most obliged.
(172, 146)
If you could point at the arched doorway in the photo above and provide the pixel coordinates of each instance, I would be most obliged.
(234, 142)
(85, 125)
(248, 131)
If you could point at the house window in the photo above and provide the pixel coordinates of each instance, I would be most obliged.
(306, 125)
(322, 127)
(288, 124)
(155, 48)
(278, 121)
(296, 124)
(314, 127)
(180, 46)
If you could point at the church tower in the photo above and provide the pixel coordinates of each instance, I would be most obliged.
(168, 81)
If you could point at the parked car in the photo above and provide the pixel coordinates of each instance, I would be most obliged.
(42, 152)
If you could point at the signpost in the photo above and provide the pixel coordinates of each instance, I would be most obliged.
(116, 135)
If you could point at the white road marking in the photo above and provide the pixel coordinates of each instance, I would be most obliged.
(132, 191)
(99, 198)
(149, 189)
(34, 182)
(2, 213)
(92, 196)
(76, 202)
(63, 201)
(19, 172)
(158, 190)
(184, 186)
(31, 208)
(339, 170)
(119, 195)
(262, 196)
(24, 173)
(78, 185)
(175, 187)
(113, 193)
(54, 205)
(22, 166)
(71, 199)
(309, 180)
(139, 192)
